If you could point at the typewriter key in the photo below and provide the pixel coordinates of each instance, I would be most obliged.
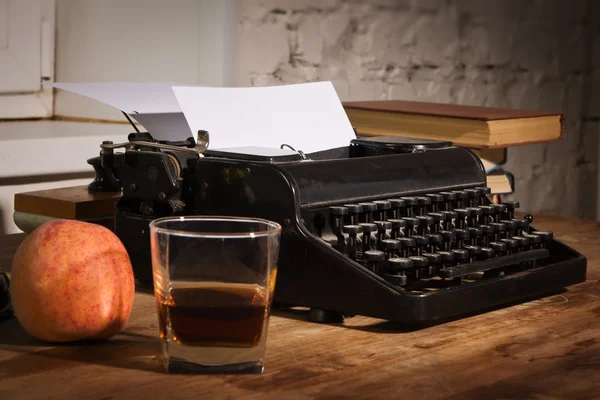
(512, 245)
(473, 218)
(472, 197)
(511, 227)
(368, 209)
(499, 230)
(382, 209)
(474, 252)
(435, 240)
(421, 243)
(398, 226)
(486, 215)
(484, 195)
(522, 243)
(419, 263)
(447, 238)
(436, 199)
(461, 198)
(546, 237)
(461, 236)
(448, 203)
(499, 247)
(352, 231)
(460, 255)
(382, 228)
(423, 204)
(368, 241)
(407, 245)
(511, 206)
(450, 220)
(409, 205)
(487, 234)
(487, 253)
(439, 220)
(373, 259)
(425, 224)
(411, 226)
(499, 211)
(534, 240)
(397, 267)
(522, 226)
(353, 213)
(397, 208)
(390, 247)
(447, 258)
(434, 261)
(475, 235)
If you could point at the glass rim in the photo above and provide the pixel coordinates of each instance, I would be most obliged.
(275, 227)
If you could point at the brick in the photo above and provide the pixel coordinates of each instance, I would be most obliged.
(488, 43)
(335, 28)
(310, 42)
(436, 38)
(392, 36)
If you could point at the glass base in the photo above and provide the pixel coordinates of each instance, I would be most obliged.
(175, 365)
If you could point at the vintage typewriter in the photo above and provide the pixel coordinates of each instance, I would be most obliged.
(394, 228)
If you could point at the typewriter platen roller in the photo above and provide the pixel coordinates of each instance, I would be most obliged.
(393, 228)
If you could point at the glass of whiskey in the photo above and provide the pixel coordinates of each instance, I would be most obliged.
(214, 279)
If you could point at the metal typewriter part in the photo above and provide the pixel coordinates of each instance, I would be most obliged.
(387, 227)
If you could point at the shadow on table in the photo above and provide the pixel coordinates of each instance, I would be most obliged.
(126, 350)
(384, 326)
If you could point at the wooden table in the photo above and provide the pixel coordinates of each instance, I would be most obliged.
(547, 348)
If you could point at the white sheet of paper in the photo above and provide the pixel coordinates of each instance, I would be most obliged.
(165, 126)
(307, 116)
(131, 97)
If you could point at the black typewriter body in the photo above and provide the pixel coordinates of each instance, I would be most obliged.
(392, 228)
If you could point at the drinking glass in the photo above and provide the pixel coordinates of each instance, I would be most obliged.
(214, 278)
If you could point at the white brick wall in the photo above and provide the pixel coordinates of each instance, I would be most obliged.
(503, 53)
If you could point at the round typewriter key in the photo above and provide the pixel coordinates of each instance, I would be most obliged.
(447, 258)
(411, 225)
(450, 218)
(397, 227)
(367, 239)
(511, 245)
(500, 210)
(382, 228)
(396, 279)
(438, 219)
(397, 264)
(474, 235)
(425, 224)
(434, 261)
(460, 255)
(484, 190)
(368, 209)
(434, 241)
(397, 207)
(368, 226)
(374, 257)
(421, 241)
(499, 229)
(487, 213)
(461, 198)
(534, 240)
(522, 226)
(390, 246)
(338, 210)
(546, 237)
(473, 197)
(511, 227)
(419, 262)
(407, 244)
(409, 204)
(511, 206)
(499, 247)
(352, 231)
(447, 237)
(382, 207)
(448, 203)
(423, 204)
(353, 211)
(522, 242)
(474, 251)
(488, 233)
(487, 253)
(436, 199)
(474, 217)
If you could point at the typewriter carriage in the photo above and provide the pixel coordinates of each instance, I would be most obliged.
(168, 179)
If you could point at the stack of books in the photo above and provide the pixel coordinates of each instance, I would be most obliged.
(488, 132)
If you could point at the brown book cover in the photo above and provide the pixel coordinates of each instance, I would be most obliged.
(469, 126)
(75, 202)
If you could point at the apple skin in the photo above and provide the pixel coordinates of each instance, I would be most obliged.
(72, 280)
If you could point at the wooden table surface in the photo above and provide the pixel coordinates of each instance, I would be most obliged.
(544, 349)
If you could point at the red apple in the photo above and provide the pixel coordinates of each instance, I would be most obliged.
(72, 280)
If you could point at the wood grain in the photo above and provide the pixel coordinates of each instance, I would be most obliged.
(547, 348)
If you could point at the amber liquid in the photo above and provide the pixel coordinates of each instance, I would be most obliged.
(214, 314)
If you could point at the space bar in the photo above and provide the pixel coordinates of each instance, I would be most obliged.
(494, 263)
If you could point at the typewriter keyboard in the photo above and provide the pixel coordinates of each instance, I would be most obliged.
(436, 240)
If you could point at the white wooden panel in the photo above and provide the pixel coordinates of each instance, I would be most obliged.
(26, 58)
(20, 57)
